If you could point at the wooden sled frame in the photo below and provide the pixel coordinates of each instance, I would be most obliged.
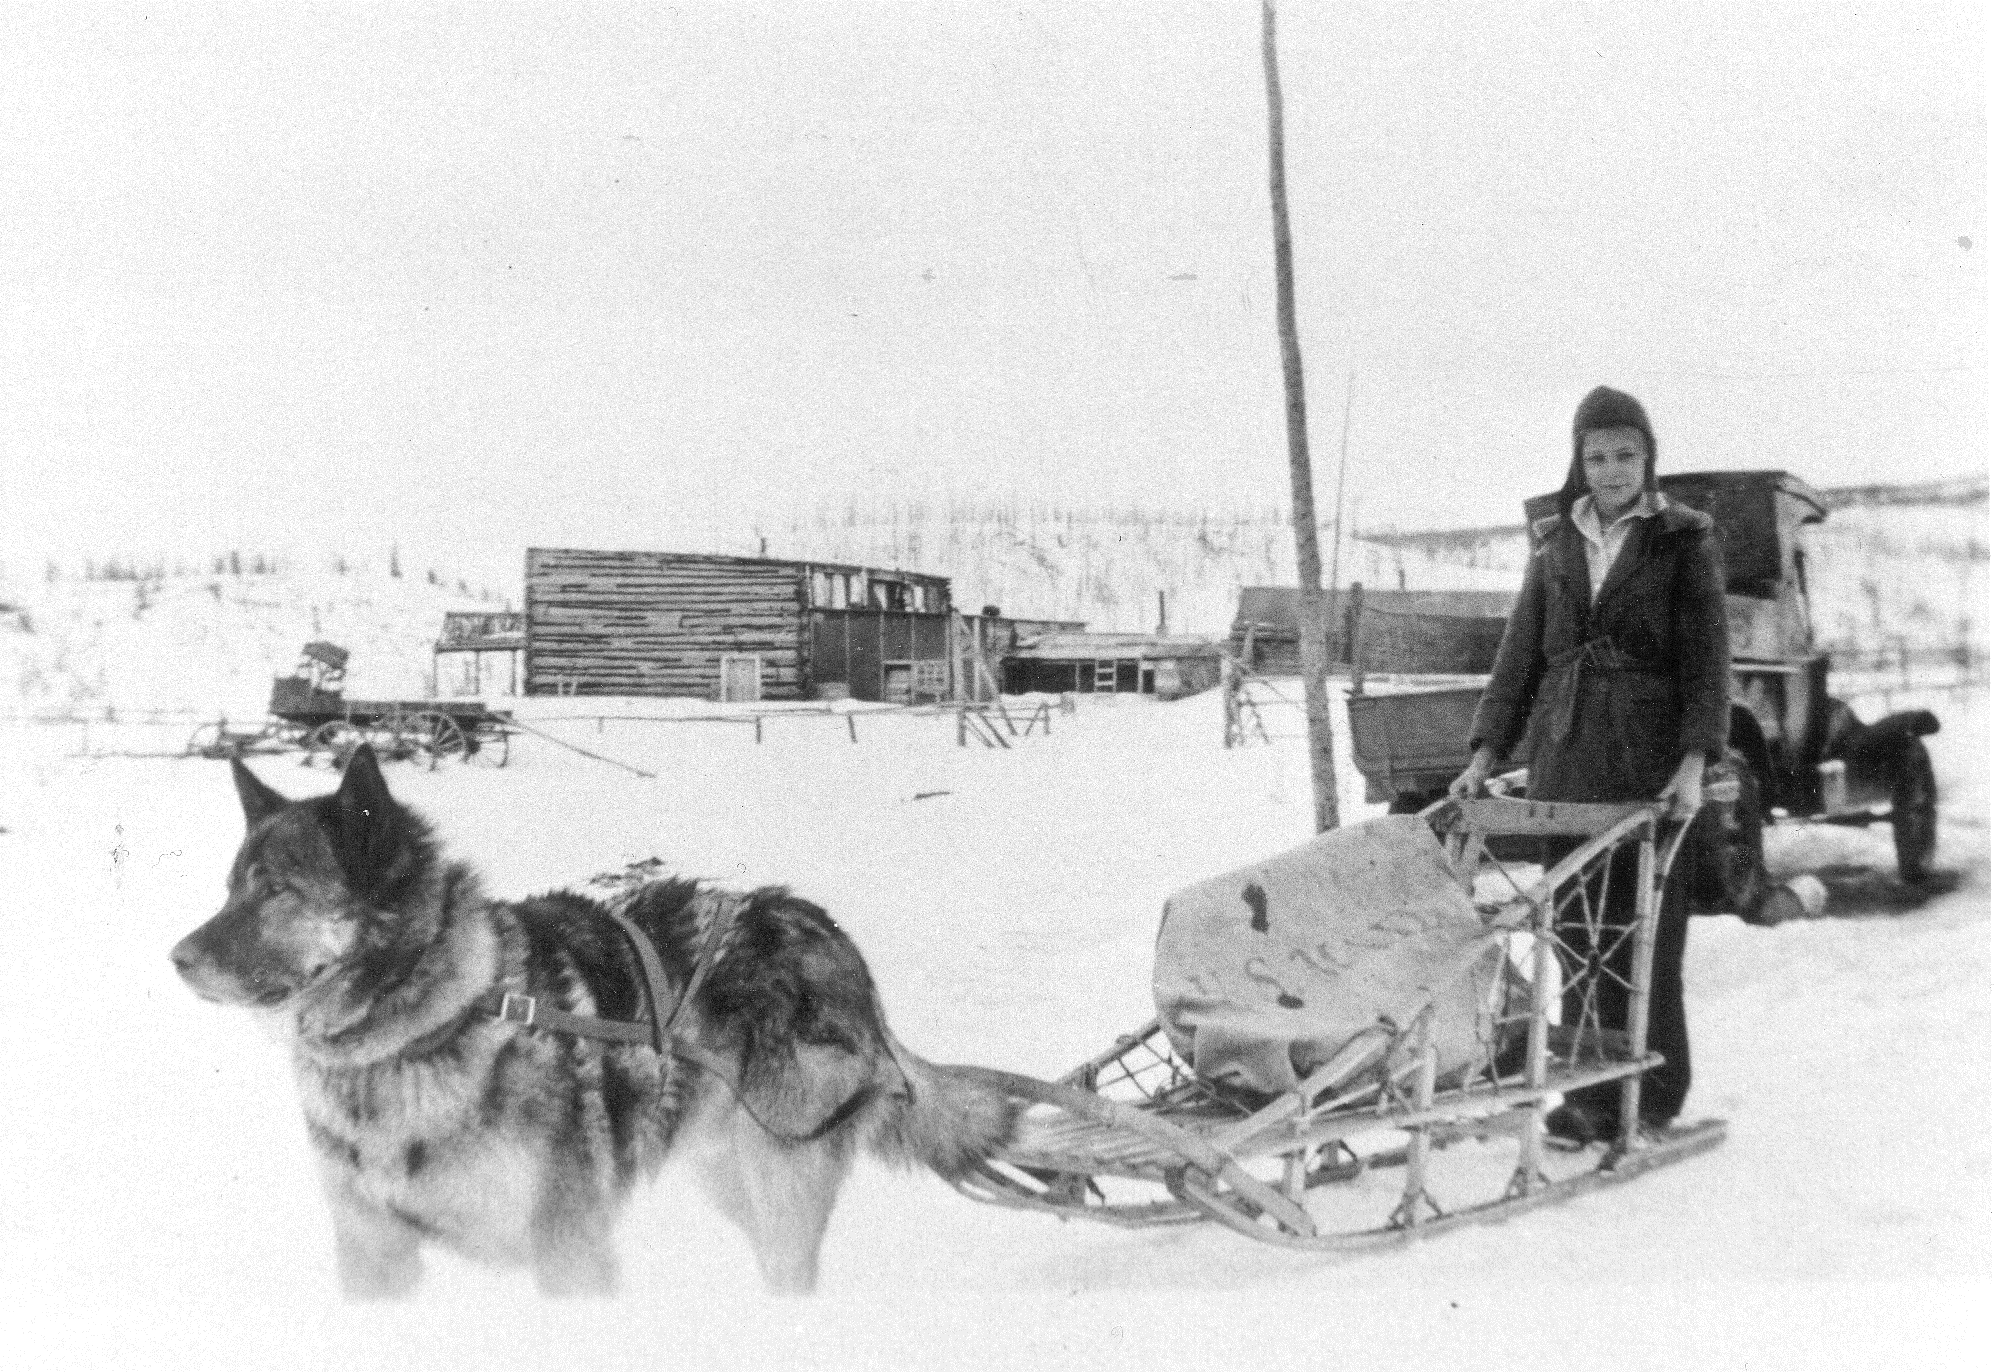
(1131, 1137)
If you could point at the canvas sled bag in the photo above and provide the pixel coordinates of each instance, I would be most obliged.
(1262, 974)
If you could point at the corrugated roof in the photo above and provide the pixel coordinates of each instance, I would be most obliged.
(1062, 647)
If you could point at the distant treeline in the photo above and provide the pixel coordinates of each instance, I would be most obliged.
(1959, 493)
(234, 563)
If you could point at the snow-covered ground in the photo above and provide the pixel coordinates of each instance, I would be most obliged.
(160, 1210)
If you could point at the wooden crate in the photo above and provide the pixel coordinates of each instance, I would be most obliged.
(1411, 741)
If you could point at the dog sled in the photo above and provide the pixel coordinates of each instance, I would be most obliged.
(1464, 997)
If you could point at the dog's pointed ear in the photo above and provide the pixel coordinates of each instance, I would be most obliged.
(363, 791)
(380, 845)
(259, 802)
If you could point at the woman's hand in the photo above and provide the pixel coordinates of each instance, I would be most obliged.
(1685, 792)
(1468, 786)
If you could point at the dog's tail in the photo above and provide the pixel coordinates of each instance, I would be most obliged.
(945, 1118)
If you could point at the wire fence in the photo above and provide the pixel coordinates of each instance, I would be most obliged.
(107, 731)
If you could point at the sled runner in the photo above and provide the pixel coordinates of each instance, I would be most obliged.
(1385, 997)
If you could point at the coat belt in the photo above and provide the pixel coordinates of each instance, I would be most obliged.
(1565, 669)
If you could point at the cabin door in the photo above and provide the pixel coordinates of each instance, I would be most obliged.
(740, 677)
(897, 683)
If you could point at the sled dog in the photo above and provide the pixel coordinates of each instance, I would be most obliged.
(436, 1119)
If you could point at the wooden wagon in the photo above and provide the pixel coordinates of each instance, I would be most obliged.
(309, 710)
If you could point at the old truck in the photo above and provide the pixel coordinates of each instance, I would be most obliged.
(1799, 754)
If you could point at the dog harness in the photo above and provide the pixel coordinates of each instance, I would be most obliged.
(723, 911)
(657, 1034)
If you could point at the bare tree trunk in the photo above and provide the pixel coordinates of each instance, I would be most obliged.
(1302, 496)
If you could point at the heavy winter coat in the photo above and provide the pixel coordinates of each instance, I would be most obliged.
(1606, 696)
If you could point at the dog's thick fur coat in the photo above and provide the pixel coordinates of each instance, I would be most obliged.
(435, 1122)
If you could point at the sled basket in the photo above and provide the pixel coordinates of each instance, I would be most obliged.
(1361, 1003)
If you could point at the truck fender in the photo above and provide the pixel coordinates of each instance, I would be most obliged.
(1870, 740)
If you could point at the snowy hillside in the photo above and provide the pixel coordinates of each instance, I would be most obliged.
(1878, 571)
(1102, 566)
(1882, 574)
(210, 643)
(162, 1211)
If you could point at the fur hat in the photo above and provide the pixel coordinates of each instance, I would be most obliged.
(1606, 408)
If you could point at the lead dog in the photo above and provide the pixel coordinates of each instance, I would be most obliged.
(433, 1120)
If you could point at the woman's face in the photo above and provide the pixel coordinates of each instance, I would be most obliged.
(1614, 460)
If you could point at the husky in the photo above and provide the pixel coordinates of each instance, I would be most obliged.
(437, 1118)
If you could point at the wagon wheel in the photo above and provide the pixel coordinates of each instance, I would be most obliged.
(436, 736)
(1915, 813)
(490, 744)
(335, 740)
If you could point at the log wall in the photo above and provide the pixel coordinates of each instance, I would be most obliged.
(657, 624)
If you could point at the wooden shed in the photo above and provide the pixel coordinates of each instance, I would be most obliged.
(732, 628)
(1165, 665)
(1446, 632)
(476, 643)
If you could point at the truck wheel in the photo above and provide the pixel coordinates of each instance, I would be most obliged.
(1733, 872)
(1915, 804)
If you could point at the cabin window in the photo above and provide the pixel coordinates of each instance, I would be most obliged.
(931, 679)
(887, 595)
(820, 589)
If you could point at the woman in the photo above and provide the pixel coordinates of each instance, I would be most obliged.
(1613, 674)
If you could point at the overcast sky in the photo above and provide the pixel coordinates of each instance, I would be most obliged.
(586, 274)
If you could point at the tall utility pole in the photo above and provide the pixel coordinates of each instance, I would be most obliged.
(1337, 519)
(1302, 494)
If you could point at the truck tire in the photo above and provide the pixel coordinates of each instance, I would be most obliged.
(1915, 804)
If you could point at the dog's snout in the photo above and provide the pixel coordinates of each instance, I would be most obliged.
(186, 956)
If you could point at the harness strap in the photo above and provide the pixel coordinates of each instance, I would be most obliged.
(528, 1011)
(653, 973)
(723, 912)
(657, 1033)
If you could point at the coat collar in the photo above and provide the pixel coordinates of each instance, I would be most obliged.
(1565, 545)
(1673, 518)
(1586, 516)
